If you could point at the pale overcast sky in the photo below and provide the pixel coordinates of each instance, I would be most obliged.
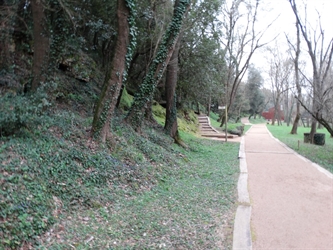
(285, 23)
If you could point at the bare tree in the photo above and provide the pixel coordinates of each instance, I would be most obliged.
(328, 102)
(321, 59)
(280, 72)
(297, 50)
(240, 44)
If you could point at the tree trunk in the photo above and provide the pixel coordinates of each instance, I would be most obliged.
(41, 44)
(158, 66)
(298, 85)
(274, 118)
(313, 130)
(321, 60)
(223, 120)
(7, 45)
(145, 94)
(297, 118)
(197, 107)
(149, 112)
(314, 108)
(289, 114)
(209, 104)
(120, 95)
(113, 79)
(171, 125)
(278, 116)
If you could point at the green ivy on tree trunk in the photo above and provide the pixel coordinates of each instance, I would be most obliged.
(125, 45)
(146, 92)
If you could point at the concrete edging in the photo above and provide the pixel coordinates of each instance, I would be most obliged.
(242, 239)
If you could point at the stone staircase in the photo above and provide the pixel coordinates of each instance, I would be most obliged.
(206, 130)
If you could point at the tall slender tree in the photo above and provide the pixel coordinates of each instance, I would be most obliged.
(200, 56)
(7, 21)
(297, 51)
(321, 60)
(240, 42)
(41, 43)
(171, 125)
(166, 48)
(117, 74)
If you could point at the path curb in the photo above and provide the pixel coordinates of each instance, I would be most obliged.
(242, 233)
(242, 228)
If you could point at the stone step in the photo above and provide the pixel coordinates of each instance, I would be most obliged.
(206, 130)
(217, 135)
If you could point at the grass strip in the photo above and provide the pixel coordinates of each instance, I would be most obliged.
(321, 155)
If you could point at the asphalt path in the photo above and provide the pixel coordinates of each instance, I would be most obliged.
(291, 198)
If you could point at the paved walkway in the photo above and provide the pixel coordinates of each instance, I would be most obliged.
(291, 198)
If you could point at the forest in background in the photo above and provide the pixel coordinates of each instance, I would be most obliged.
(81, 73)
(181, 54)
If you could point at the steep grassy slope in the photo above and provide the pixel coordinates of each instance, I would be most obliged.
(59, 190)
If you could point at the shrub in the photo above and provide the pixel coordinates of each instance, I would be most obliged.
(24, 110)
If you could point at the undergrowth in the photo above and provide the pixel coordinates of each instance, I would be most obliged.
(187, 120)
(60, 191)
(191, 207)
(50, 170)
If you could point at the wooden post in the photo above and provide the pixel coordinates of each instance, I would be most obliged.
(226, 123)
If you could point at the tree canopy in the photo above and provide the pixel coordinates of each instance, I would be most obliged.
(44, 41)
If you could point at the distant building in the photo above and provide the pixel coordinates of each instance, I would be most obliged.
(269, 115)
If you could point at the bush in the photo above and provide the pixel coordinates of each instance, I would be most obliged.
(24, 110)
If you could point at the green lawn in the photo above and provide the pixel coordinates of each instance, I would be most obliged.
(322, 155)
